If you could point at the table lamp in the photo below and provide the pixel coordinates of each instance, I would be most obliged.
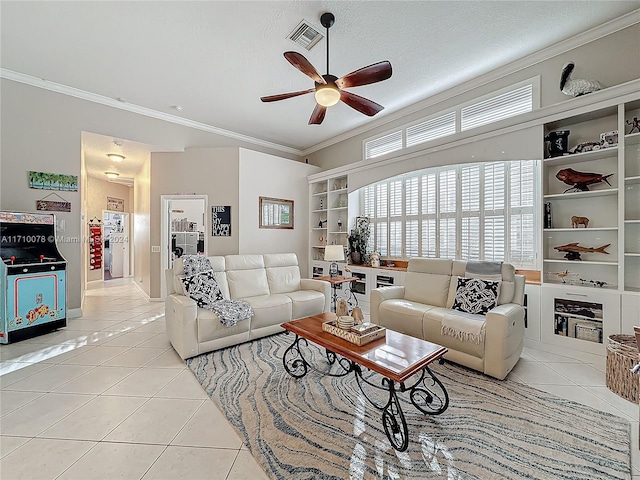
(333, 253)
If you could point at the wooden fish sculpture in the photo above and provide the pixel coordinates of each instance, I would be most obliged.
(580, 181)
(573, 250)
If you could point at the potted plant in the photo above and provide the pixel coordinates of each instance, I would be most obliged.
(358, 239)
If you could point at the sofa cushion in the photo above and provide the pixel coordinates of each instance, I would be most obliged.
(247, 276)
(427, 281)
(507, 287)
(203, 288)
(476, 296)
(283, 279)
(211, 328)
(403, 316)
(269, 310)
(305, 303)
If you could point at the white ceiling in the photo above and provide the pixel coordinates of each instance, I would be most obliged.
(217, 58)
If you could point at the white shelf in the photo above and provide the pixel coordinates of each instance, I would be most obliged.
(632, 221)
(632, 179)
(318, 194)
(596, 229)
(579, 262)
(338, 208)
(632, 289)
(318, 246)
(632, 139)
(339, 190)
(319, 211)
(581, 285)
(588, 194)
(631, 254)
(582, 157)
(319, 228)
(575, 315)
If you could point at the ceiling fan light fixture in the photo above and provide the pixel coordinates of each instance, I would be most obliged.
(116, 157)
(327, 95)
(112, 174)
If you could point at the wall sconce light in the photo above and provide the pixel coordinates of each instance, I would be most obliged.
(112, 174)
(116, 157)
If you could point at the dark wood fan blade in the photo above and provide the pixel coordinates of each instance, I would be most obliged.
(318, 115)
(361, 104)
(373, 73)
(284, 96)
(302, 64)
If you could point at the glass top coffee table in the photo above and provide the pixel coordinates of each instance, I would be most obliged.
(398, 358)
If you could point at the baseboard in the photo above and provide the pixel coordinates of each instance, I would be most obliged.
(146, 295)
(74, 312)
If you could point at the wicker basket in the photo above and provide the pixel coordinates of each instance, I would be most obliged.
(622, 355)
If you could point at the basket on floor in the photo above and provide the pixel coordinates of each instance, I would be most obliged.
(622, 355)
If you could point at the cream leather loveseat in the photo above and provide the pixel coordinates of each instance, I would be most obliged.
(270, 283)
(418, 308)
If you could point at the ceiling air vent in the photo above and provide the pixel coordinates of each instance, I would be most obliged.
(305, 35)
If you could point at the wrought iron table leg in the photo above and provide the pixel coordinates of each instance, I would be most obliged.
(293, 361)
(428, 394)
(393, 421)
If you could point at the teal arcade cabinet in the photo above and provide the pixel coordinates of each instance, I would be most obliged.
(32, 277)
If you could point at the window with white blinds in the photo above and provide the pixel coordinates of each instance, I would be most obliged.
(431, 129)
(471, 211)
(505, 103)
(383, 145)
(496, 108)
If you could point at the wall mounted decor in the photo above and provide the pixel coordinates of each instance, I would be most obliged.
(221, 221)
(275, 213)
(53, 181)
(53, 205)
(115, 204)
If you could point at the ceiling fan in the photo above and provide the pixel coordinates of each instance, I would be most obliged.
(329, 88)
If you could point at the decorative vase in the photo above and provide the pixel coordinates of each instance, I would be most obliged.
(356, 258)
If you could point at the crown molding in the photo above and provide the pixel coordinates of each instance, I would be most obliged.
(576, 41)
(147, 112)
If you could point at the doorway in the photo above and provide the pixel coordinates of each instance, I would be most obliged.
(183, 229)
(116, 245)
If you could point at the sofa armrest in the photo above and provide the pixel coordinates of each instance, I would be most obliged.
(182, 328)
(320, 286)
(379, 295)
(503, 338)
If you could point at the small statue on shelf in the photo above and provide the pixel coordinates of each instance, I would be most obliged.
(580, 181)
(635, 125)
(573, 250)
(339, 224)
(321, 222)
(563, 275)
(577, 221)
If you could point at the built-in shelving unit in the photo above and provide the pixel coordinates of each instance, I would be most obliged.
(328, 216)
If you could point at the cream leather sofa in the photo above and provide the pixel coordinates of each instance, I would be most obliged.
(418, 307)
(270, 283)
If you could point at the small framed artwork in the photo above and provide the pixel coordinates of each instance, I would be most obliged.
(275, 213)
(115, 204)
(221, 221)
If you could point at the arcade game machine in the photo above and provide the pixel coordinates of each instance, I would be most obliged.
(32, 277)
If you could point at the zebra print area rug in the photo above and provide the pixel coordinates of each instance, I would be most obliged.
(320, 427)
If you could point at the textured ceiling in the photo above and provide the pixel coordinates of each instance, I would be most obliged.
(216, 59)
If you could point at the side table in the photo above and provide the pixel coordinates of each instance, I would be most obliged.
(335, 281)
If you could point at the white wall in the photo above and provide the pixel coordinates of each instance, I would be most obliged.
(269, 176)
(42, 131)
(141, 228)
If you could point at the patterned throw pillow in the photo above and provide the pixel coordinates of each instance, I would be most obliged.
(474, 295)
(203, 288)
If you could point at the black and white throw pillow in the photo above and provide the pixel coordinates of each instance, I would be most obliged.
(474, 295)
(203, 288)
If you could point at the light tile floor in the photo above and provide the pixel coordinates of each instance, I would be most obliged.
(107, 397)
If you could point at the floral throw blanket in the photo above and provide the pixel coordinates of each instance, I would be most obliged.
(201, 285)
